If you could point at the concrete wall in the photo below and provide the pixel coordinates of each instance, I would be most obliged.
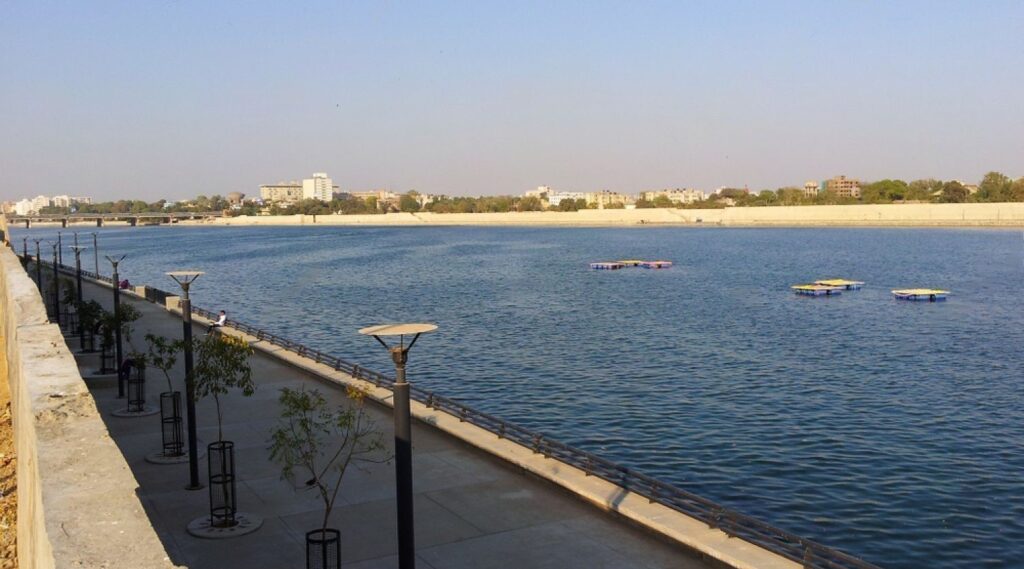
(974, 214)
(76, 495)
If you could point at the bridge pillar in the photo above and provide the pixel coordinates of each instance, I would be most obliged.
(133, 221)
(99, 222)
(64, 222)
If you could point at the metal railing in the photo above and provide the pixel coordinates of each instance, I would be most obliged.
(810, 554)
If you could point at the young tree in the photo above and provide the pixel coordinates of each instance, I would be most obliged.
(323, 441)
(163, 354)
(222, 364)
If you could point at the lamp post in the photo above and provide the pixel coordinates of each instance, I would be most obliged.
(78, 293)
(114, 261)
(24, 251)
(96, 254)
(185, 280)
(39, 268)
(60, 249)
(403, 431)
(56, 287)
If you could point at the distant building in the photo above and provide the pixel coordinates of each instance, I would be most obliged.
(39, 202)
(555, 198)
(541, 192)
(810, 188)
(844, 187)
(281, 192)
(24, 207)
(605, 198)
(62, 201)
(676, 196)
(319, 187)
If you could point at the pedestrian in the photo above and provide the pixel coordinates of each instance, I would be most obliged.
(221, 320)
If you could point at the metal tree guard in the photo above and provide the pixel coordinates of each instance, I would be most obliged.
(403, 431)
(185, 280)
(118, 361)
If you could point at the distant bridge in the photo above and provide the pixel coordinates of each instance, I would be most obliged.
(99, 218)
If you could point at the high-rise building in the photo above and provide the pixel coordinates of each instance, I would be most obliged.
(844, 187)
(319, 187)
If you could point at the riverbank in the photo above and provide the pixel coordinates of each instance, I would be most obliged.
(883, 215)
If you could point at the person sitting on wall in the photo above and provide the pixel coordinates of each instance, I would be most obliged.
(123, 285)
(221, 320)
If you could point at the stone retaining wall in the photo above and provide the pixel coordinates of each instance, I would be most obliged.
(76, 495)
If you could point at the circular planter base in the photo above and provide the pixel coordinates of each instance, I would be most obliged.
(161, 458)
(146, 411)
(247, 523)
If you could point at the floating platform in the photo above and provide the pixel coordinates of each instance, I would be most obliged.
(606, 266)
(656, 264)
(843, 283)
(925, 294)
(632, 262)
(817, 290)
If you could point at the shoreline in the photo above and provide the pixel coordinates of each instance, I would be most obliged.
(989, 215)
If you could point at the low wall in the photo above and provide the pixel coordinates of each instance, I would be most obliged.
(76, 495)
(948, 215)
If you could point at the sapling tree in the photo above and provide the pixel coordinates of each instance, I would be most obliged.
(222, 364)
(163, 354)
(322, 441)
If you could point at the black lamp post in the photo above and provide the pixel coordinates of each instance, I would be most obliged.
(78, 293)
(24, 251)
(114, 261)
(96, 254)
(60, 249)
(39, 268)
(185, 280)
(56, 287)
(403, 431)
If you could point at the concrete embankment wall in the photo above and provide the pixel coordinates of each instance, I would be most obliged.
(76, 495)
(924, 215)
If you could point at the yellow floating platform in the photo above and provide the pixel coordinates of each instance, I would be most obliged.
(846, 284)
(817, 290)
(631, 262)
(929, 294)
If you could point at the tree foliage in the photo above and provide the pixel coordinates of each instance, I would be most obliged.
(323, 441)
(222, 364)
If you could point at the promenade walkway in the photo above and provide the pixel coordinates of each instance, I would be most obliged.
(472, 510)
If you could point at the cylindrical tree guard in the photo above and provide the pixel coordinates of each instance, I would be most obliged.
(107, 358)
(221, 464)
(170, 423)
(323, 549)
(136, 389)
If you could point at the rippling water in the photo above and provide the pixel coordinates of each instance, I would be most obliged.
(891, 430)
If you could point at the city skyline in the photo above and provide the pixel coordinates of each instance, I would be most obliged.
(176, 100)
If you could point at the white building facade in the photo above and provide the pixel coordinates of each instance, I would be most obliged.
(319, 187)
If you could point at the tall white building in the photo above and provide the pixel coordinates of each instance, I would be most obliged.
(62, 201)
(555, 198)
(39, 202)
(319, 187)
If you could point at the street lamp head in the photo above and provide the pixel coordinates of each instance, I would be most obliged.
(185, 278)
(114, 259)
(78, 249)
(401, 330)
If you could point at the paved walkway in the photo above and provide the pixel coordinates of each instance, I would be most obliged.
(472, 510)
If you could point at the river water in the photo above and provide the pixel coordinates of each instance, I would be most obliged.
(891, 430)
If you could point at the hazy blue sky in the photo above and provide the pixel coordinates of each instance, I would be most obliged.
(154, 99)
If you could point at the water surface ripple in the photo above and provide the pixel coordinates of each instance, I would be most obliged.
(893, 431)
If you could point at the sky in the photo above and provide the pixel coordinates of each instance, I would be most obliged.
(172, 99)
